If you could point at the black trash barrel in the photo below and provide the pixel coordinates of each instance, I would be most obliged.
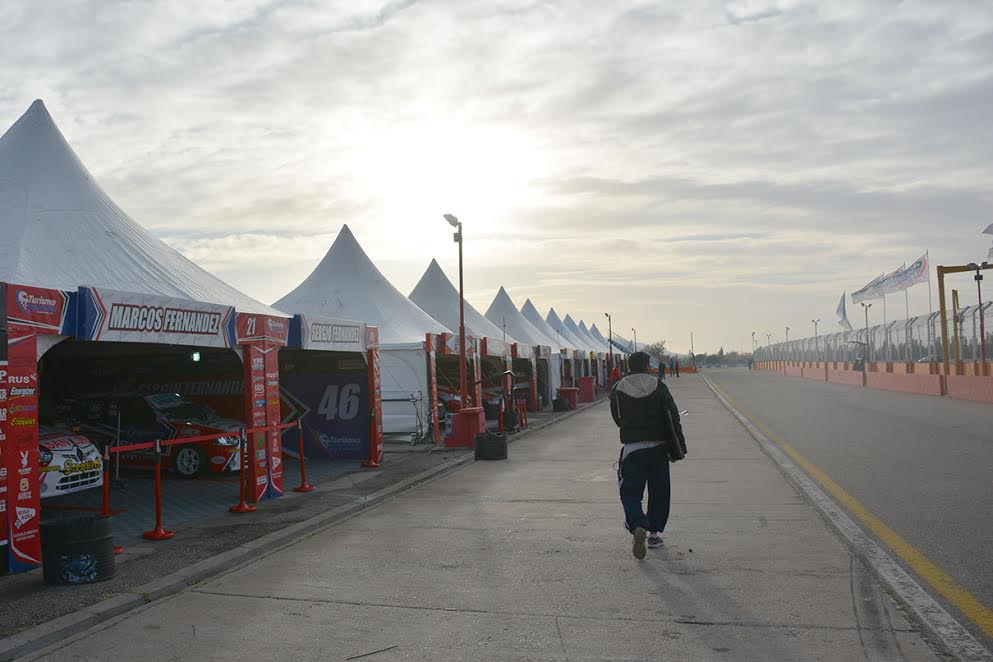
(77, 549)
(490, 446)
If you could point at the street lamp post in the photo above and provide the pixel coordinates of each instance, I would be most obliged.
(787, 344)
(982, 324)
(635, 339)
(753, 344)
(463, 386)
(610, 341)
(768, 344)
(816, 347)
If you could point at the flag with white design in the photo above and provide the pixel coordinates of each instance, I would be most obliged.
(842, 314)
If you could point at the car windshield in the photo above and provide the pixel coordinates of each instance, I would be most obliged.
(187, 411)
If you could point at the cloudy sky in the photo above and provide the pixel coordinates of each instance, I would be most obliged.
(707, 167)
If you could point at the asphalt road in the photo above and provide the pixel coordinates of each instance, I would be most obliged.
(923, 465)
(527, 559)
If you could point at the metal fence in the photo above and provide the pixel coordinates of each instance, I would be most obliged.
(917, 340)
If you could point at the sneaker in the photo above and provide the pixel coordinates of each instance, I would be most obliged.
(654, 541)
(638, 549)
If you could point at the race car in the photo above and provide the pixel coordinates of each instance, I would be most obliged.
(126, 419)
(69, 462)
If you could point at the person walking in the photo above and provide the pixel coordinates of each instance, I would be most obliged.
(644, 410)
(677, 367)
(662, 368)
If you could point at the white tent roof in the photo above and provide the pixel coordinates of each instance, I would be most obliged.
(622, 343)
(438, 297)
(503, 311)
(60, 230)
(532, 315)
(347, 284)
(596, 344)
(570, 324)
(595, 332)
(568, 337)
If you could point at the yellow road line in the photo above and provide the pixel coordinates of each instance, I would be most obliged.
(935, 577)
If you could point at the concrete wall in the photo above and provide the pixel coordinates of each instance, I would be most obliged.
(964, 387)
(894, 381)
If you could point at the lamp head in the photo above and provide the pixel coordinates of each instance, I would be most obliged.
(452, 220)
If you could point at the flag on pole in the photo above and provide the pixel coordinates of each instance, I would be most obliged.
(915, 273)
(869, 291)
(842, 314)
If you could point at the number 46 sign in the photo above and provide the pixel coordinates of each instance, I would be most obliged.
(341, 403)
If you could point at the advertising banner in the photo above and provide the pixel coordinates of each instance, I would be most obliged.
(255, 328)
(272, 406)
(333, 407)
(543, 352)
(116, 316)
(19, 432)
(257, 469)
(433, 388)
(48, 311)
(332, 335)
(375, 392)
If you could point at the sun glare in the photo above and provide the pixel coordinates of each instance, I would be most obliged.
(479, 174)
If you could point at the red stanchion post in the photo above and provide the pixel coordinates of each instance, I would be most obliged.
(304, 486)
(158, 533)
(242, 506)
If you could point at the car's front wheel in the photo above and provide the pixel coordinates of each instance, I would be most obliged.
(190, 461)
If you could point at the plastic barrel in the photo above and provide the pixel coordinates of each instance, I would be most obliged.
(77, 550)
(490, 446)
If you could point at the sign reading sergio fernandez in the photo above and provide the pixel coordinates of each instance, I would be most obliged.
(112, 315)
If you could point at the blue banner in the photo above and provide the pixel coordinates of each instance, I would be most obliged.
(334, 408)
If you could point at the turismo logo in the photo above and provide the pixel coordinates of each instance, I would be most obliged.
(156, 319)
(31, 303)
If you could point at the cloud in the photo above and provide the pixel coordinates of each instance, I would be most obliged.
(714, 166)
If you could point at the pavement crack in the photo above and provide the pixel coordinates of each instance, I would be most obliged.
(527, 614)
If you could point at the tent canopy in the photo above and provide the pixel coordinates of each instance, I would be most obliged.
(595, 332)
(570, 339)
(503, 312)
(61, 231)
(439, 298)
(532, 315)
(594, 343)
(347, 284)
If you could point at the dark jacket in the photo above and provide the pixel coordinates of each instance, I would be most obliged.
(639, 404)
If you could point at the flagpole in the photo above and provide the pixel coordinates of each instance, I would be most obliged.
(930, 308)
(906, 325)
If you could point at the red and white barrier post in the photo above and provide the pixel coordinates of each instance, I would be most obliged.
(158, 533)
(304, 486)
(242, 506)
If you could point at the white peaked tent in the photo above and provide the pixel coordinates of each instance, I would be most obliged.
(346, 284)
(532, 315)
(504, 311)
(573, 328)
(568, 338)
(595, 332)
(437, 296)
(60, 230)
(594, 343)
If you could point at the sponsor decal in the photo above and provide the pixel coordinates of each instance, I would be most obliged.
(339, 444)
(24, 515)
(218, 459)
(25, 485)
(32, 303)
(20, 421)
(276, 461)
(258, 363)
(18, 379)
(335, 333)
(259, 389)
(21, 391)
(275, 326)
(24, 458)
(17, 409)
(70, 467)
(159, 319)
(3, 414)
